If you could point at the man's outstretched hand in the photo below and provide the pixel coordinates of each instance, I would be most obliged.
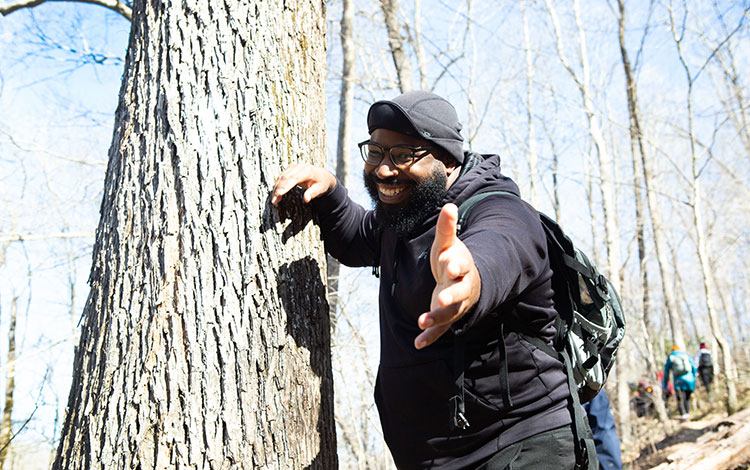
(458, 283)
(313, 180)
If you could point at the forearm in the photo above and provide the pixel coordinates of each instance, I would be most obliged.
(348, 230)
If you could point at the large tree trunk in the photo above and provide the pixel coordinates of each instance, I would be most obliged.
(205, 340)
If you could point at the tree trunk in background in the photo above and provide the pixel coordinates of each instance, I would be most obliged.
(532, 156)
(343, 154)
(611, 229)
(396, 44)
(416, 42)
(600, 152)
(6, 427)
(205, 338)
(730, 320)
(709, 286)
(638, 151)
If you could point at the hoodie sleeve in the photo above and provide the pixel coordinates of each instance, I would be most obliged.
(350, 233)
(509, 247)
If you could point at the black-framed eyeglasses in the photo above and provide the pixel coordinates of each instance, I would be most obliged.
(402, 156)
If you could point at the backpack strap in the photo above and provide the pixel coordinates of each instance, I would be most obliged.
(584, 439)
(585, 447)
(465, 207)
(457, 418)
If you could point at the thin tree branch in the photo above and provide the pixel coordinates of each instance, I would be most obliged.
(20, 237)
(115, 5)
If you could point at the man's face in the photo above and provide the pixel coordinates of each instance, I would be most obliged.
(395, 185)
(404, 197)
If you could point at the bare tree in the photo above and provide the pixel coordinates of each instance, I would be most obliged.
(601, 154)
(417, 42)
(640, 183)
(531, 138)
(396, 43)
(709, 283)
(205, 338)
(343, 153)
(736, 103)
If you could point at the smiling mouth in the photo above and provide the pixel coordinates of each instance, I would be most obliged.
(391, 191)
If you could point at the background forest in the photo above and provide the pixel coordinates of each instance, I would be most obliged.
(626, 120)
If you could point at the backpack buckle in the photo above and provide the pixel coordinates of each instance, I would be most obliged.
(457, 418)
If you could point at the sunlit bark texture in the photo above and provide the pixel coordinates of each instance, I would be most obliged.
(205, 337)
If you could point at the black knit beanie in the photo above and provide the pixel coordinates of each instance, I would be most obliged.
(420, 114)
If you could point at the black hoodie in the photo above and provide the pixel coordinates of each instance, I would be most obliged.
(506, 239)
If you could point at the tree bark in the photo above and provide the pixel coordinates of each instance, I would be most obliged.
(205, 338)
(396, 44)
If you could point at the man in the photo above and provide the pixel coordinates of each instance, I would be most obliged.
(683, 370)
(705, 368)
(451, 306)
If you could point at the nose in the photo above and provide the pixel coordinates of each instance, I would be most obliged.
(386, 168)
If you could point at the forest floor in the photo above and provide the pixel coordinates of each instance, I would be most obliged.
(709, 440)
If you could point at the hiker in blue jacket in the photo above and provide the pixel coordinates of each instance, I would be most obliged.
(684, 371)
(501, 401)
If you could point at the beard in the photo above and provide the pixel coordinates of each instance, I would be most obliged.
(426, 197)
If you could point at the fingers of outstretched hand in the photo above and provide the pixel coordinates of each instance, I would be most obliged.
(429, 336)
(440, 316)
(435, 323)
(453, 264)
(454, 294)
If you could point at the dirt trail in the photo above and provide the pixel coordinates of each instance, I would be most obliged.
(714, 442)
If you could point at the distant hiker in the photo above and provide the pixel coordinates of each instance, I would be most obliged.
(643, 400)
(683, 370)
(605, 434)
(457, 386)
(705, 368)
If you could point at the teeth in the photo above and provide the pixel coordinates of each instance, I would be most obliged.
(390, 192)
